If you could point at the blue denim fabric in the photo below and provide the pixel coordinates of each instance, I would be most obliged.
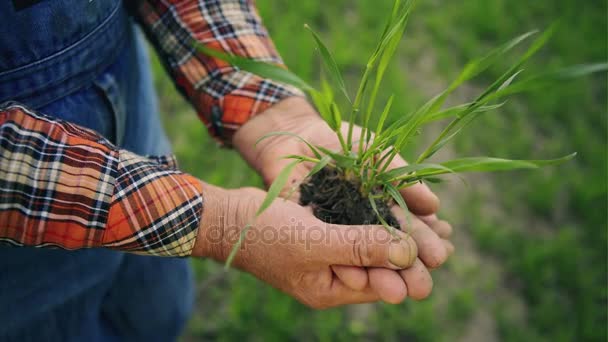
(84, 61)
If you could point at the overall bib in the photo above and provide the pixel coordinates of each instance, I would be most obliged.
(84, 61)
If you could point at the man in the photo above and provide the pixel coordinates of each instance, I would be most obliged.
(79, 117)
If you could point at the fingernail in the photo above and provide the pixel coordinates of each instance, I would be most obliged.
(402, 252)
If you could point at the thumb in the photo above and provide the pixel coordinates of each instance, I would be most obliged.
(368, 245)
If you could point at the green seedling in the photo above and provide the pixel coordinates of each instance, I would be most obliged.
(360, 172)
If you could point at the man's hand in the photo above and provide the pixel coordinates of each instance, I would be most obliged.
(297, 116)
(290, 249)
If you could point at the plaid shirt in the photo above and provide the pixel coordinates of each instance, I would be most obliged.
(65, 186)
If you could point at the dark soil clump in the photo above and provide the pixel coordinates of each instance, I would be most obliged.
(336, 200)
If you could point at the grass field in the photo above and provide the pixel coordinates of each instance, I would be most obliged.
(531, 246)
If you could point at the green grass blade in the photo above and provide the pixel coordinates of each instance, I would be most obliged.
(273, 193)
(318, 167)
(505, 89)
(262, 69)
(330, 63)
(236, 246)
(386, 53)
(396, 173)
(434, 180)
(429, 109)
(334, 115)
(508, 82)
(343, 161)
(576, 71)
(275, 188)
(413, 122)
(385, 31)
(450, 132)
(326, 109)
(477, 66)
(384, 115)
(549, 78)
(515, 69)
(314, 150)
(471, 70)
(394, 29)
(470, 113)
(301, 158)
(456, 111)
(396, 195)
(385, 224)
(485, 164)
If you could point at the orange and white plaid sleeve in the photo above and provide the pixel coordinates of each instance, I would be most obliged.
(224, 96)
(65, 186)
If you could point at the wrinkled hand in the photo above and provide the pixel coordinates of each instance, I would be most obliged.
(290, 249)
(295, 115)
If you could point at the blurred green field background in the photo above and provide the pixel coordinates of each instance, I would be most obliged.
(531, 246)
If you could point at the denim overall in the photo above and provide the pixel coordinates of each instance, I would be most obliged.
(84, 61)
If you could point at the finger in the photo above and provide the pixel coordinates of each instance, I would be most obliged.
(365, 245)
(428, 219)
(340, 294)
(442, 228)
(353, 277)
(419, 197)
(431, 249)
(388, 284)
(418, 280)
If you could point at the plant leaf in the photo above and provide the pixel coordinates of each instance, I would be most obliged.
(473, 69)
(385, 224)
(336, 115)
(275, 188)
(324, 107)
(416, 119)
(397, 21)
(477, 66)
(236, 246)
(469, 114)
(485, 164)
(386, 53)
(505, 89)
(396, 195)
(318, 166)
(456, 111)
(393, 174)
(551, 77)
(384, 115)
(310, 146)
(262, 69)
(515, 69)
(273, 192)
(330, 63)
(342, 160)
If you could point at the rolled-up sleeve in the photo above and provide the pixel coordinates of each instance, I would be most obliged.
(65, 186)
